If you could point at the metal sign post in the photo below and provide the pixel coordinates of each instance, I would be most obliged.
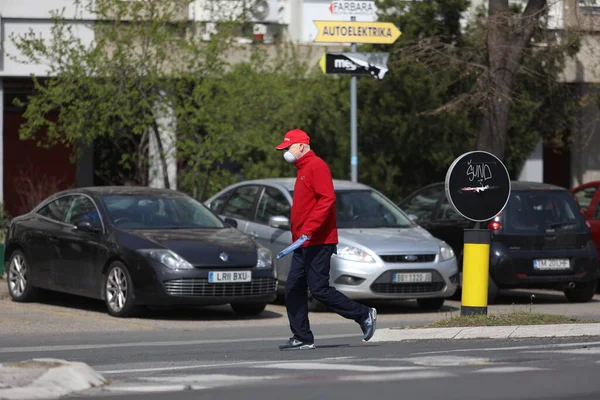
(353, 122)
(354, 32)
(478, 188)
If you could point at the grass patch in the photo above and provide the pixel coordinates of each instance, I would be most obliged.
(502, 319)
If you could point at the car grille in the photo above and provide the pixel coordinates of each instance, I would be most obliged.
(199, 287)
(407, 288)
(408, 258)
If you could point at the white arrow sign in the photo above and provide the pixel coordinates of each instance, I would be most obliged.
(351, 7)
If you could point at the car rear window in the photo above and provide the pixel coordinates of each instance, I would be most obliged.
(541, 211)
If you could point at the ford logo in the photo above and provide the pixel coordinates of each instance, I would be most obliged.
(411, 258)
(223, 256)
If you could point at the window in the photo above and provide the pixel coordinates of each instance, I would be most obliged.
(423, 203)
(367, 209)
(272, 203)
(83, 209)
(217, 204)
(159, 212)
(57, 209)
(241, 204)
(447, 212)
(584, 196)
(597, 213)
(535, 212)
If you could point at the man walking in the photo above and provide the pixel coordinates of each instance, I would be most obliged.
(313, 216)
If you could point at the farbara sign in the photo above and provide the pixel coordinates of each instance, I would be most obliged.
(353, 8)
(356, 32)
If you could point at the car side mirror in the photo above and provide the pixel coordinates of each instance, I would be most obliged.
(86, 226)
(413, 217)
(231, 222)
(280, 222)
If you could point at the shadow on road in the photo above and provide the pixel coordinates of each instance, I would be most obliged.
(178, 313)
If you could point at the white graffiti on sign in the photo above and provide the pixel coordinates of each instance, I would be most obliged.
(479, 171)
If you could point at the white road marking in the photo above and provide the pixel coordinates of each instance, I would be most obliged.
(335, 367)
(589, 350)
(446, 361)
(198, 366)
(149, 388)
(207, 379)
(397, 376)
(182, 367)
(541, 346)
(508, 369)
(36, 349)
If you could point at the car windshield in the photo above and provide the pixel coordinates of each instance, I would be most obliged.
(159, 212)
(531, 212)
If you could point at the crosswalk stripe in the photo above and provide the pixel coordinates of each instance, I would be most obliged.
(508, 369)
(398, 376)
(335, 367)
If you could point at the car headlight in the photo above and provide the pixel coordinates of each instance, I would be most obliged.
(168, 258)
(265, 258)
(354, 254)
(446, 252)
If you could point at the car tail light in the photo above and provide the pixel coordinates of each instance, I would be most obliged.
(495, 224)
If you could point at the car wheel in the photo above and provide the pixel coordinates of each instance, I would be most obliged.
(582, 292)
(248, 309)
(118, 291)
(19, 278)
(433, 304)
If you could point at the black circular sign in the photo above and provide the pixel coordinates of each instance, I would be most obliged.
(478, 185)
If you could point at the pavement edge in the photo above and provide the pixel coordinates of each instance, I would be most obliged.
(486, 332)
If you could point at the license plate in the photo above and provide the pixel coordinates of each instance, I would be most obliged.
(412, 277)
(551, 264)
(229, 276)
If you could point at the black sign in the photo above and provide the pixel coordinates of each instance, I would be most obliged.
(478, 185)
(374, 64)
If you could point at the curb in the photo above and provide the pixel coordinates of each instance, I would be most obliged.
(46, 378)
(487, 332)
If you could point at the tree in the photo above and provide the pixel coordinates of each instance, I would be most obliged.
(492, 54)
(428, 109)
(118, 89)
(246, 111)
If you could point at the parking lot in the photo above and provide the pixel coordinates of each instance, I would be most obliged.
(59, 313)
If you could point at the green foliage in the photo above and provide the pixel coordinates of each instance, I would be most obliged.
(230, 116)
(115, 89)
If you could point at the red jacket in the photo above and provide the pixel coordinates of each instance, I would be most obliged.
(313, 208)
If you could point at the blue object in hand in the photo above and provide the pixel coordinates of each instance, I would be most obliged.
(292, 247)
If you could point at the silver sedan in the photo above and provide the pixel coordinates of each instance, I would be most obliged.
(381, 254)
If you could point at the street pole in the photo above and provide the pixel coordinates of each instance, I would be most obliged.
(353, 134)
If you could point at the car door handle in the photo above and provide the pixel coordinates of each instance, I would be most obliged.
(253, 234)
(52, 239)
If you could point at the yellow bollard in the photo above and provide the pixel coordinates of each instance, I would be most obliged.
(476, 260)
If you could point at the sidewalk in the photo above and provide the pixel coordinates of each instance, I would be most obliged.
(46, 378)
(487, 332)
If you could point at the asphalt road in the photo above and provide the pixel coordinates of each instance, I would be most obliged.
(211, 353)
(341, 367)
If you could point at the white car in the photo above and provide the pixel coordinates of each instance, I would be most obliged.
(382, 253)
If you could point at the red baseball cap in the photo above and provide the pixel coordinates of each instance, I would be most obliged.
(292, 137)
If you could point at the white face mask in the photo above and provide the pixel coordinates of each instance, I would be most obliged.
(289, 157)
